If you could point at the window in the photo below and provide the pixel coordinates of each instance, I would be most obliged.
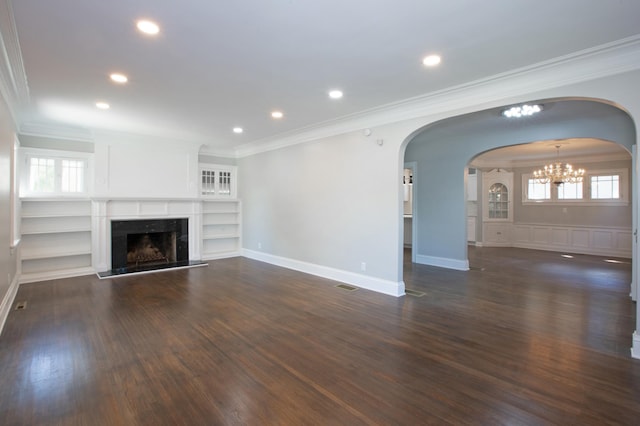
(498, 201)
(605, 187)
(42, 174)
(217, 181)
(72, 176)
(570, 191)
(208, 182)
(53, 173)
(598, 187)
(537, 190)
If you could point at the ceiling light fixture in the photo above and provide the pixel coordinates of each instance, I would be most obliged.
(431, 60)
(335, 94)
(118, 78)
(519, 111)
(277, 114)
(102, 105)
(237, 130)
(558, 174)
(148, 27)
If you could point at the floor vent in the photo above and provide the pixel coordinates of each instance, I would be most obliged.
(475, 268)
(347, 287)
(413, 293)
(21, 305)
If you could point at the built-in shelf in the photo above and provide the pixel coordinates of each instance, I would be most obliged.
(221, 228)
(55, 238)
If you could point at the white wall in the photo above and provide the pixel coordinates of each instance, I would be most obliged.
(567, 214)
(443, 150)
(143, 167)
(8, 258)
(328, 203)
(336, 202)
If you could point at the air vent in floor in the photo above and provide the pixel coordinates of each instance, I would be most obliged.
(347, 287)
(413, 293)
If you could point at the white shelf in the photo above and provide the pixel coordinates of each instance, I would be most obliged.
(56, 238)
(52, 225)
(220, 236)
(70, 230)
(209, 221)
(52, 254)
(221, 228)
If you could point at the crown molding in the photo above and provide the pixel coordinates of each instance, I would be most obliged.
(601, 61)
(13, 78)
(575, 160)
(56, 131)
(217, 152)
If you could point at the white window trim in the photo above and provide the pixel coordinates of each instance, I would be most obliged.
(25, 154)
(219, 168)
(15, 204)
(586, 190)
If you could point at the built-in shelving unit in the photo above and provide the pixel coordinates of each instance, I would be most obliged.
(221, 228)
(56, 238)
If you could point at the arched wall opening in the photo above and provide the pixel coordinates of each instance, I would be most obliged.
(442, 151)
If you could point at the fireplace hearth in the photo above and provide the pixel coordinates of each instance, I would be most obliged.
(148, 245)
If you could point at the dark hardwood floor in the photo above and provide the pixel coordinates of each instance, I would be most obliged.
(524, 338)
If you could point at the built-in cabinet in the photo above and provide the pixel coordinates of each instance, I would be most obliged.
(221, 228)
(55, 238)
(472, 204)
(497, 207)
(56, 234)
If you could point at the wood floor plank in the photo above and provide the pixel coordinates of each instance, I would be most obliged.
(524, 338)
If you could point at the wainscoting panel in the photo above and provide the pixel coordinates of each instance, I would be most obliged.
(580, 238)
(541, 235)
(560, 236)
(602, 239)
(574, 239)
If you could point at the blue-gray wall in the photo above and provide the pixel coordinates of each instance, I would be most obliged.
(443, 150)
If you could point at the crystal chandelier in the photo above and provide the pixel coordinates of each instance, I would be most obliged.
(557, 173)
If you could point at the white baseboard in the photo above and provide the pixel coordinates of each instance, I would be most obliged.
(443, 262)
(363, 281)
(7, 302)
(635, 349)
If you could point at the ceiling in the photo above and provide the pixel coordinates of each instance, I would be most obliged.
(220, 64)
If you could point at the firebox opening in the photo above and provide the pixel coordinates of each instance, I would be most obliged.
(152, 248)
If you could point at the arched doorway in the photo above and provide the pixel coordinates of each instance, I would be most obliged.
(442, 152)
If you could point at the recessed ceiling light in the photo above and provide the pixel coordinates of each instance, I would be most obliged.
(148, 27)
(568, 256)
(431, 60)
(237, 130)
(335, 94)
(118, 78)
(277, 114)
(102, 105)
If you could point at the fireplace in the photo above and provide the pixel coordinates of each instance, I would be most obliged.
(144, 245)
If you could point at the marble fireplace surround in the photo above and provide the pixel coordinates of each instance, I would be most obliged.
(104, 211)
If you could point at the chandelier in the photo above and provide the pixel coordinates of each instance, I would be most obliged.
(557, 173)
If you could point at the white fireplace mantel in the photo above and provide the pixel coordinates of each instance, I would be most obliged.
(104, 210)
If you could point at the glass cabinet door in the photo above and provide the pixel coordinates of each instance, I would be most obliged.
(498, 201)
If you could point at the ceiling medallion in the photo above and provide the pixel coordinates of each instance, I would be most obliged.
(520, 111)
